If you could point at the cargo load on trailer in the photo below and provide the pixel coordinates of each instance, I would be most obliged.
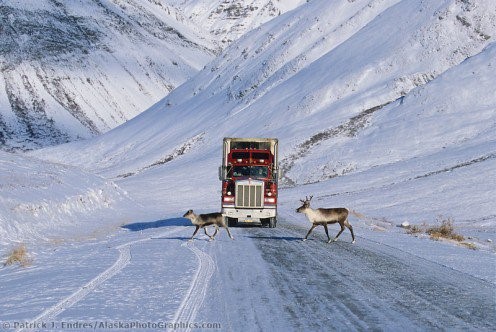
(249, 175)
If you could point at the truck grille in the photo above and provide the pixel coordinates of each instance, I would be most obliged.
(249, 195)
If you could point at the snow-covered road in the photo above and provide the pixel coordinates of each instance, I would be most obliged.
(265, 279)
(318, 286)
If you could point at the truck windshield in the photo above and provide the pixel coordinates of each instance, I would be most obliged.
(251, 171)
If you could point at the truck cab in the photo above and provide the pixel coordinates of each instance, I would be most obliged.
(249, 175)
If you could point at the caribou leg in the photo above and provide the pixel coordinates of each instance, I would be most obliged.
(341, 231)
(211, 237)
(347, 224)
(310, 231)
(229, 233)
(327, 233)
(196, 231)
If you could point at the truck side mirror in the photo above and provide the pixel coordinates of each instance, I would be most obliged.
(223, 170)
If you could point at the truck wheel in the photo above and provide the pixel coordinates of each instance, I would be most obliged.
(232, 222)
(272, 222)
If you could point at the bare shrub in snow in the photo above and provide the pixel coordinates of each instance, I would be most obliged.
(446, 230)
(414, 229)
(19, 255)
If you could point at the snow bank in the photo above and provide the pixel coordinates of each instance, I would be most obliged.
(40, 200)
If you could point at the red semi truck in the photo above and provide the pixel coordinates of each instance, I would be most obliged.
(249, 175)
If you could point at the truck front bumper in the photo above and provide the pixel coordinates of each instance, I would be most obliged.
(249, 215)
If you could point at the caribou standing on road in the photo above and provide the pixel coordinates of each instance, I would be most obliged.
(324, 216)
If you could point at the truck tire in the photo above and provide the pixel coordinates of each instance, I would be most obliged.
(232, 222)
(272, 222)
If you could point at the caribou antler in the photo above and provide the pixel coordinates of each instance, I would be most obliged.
(307, 200)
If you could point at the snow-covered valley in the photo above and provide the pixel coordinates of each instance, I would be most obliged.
(384, 107)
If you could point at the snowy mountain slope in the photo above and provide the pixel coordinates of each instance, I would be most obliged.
(228, 20)
(76, 69)
(430, 153)
(304, 76)
(40, 200)
(346, 97)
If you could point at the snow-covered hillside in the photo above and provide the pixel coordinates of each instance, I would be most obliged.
(322, 76)
(75, 69)
(45, 201)
(228, 20)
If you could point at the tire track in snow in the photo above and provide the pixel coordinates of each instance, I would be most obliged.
(192, 301)
(123, 260)
(377, 285)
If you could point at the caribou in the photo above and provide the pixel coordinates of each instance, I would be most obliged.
(325, 216)
(204, 220)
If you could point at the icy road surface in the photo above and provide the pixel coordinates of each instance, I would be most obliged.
(265, 279)
(319, 286)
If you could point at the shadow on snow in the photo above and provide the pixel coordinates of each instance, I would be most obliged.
(140, 226)
(285, 238)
